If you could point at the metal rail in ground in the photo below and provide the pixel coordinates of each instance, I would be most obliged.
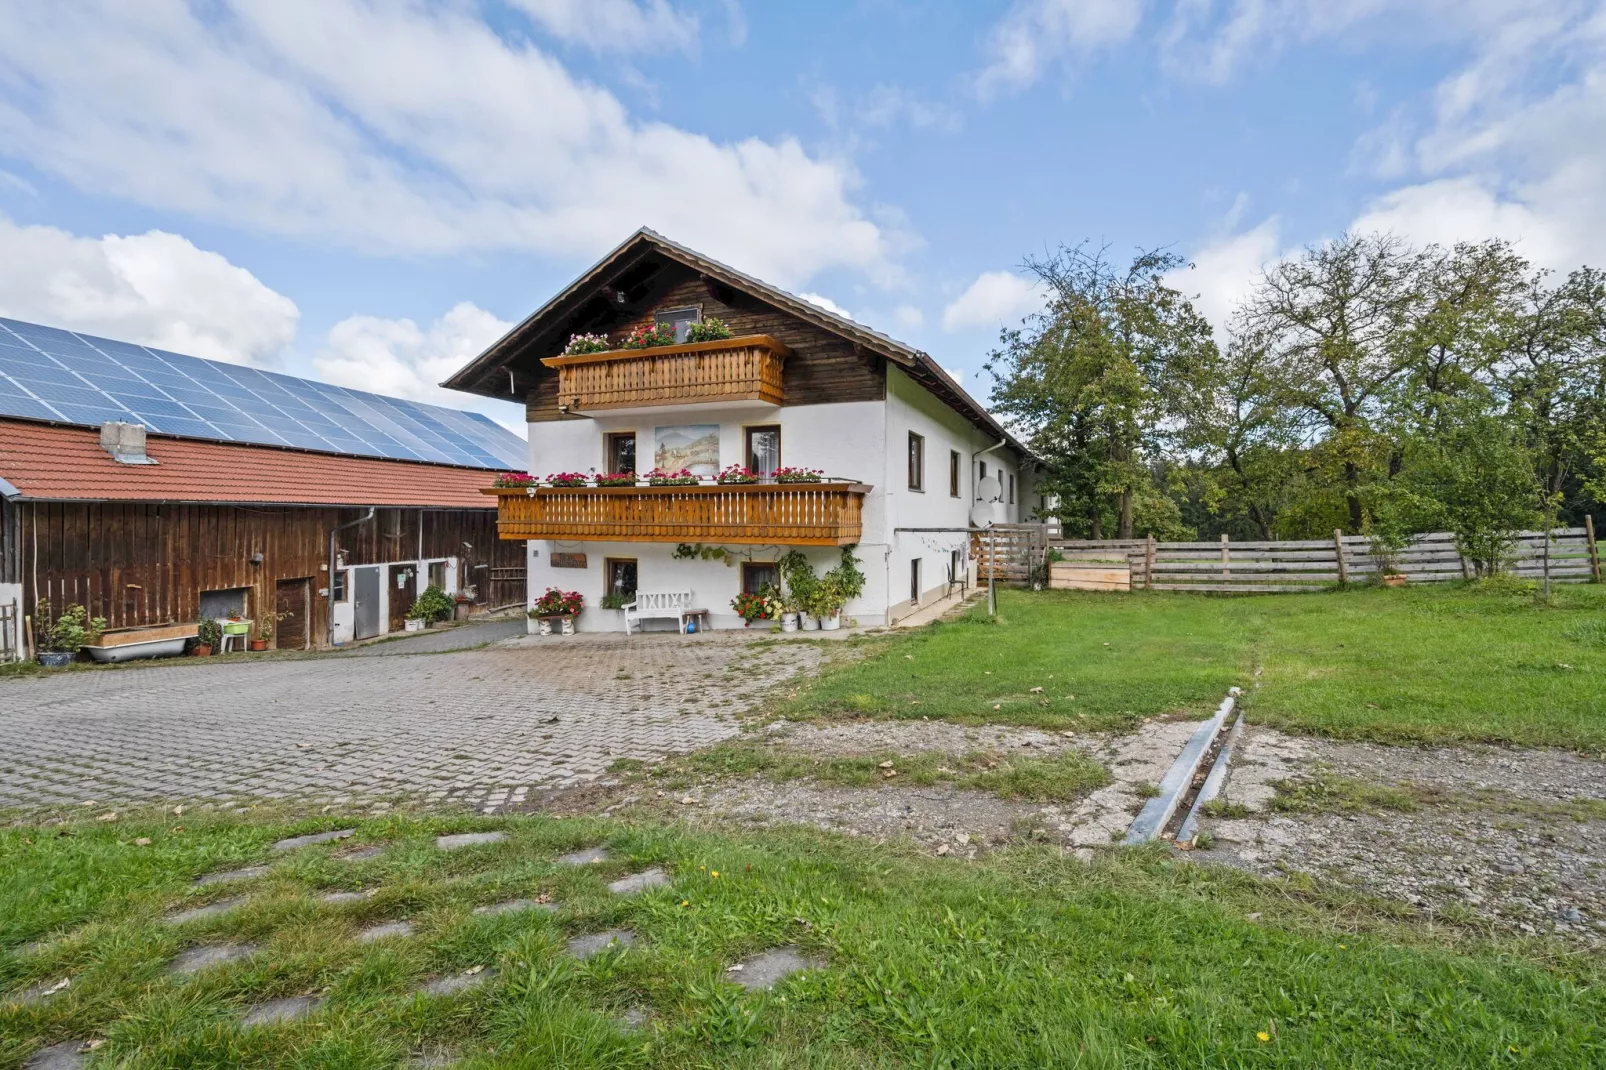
(1179, 779)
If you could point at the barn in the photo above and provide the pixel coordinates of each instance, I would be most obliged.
(155, 489)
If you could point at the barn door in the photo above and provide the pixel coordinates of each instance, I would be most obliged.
(365, 612)
(292, 601)
(403, 591)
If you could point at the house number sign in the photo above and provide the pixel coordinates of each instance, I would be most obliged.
(568, 560)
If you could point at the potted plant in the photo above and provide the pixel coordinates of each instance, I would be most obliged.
(840, 585)
(712, 329)
(556, 610)
(802, 587)
(737, 473)
(587, 343)
(431, 606)
(208, 634)
(616, 479)
(659, 334)
(614, 600)
(265, 632)
(60, 638)
(765, 604)
(567, 479)
(513, 479)
(660, 478)
(798, 475)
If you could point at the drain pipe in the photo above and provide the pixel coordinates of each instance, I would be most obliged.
(350, 587)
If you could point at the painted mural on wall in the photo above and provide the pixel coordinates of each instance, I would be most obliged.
(694, 447)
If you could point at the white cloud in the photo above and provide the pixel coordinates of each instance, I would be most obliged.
(1225, 269)
(1461, 209)
(399, 127)
(909, 317)
(1035, 34)
(402, 359)
(827, 304)
(614, 25)
(957, 375)
(151, 289)
(887, 105)
(995, 298)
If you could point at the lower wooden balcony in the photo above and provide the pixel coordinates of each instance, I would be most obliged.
(789, 514)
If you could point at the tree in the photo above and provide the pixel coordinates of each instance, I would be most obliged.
(1096, 380)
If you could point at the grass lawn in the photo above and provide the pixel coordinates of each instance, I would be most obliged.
(1030, 960)
(1420, 664)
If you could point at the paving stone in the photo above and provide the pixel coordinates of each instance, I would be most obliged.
(468, 839)
(583, 947)
(197, 959)
(431, 1059)
(347, 897)
(384, 931)
(452, 984)
(769, 968)
(633, 1018)
(514, 906)
(361, 854)
(637, 883)
(587, 856)
(317, 837)
(36, 993)
(211, 910)
(279, 1010)
(68, 1055)
(228, 875)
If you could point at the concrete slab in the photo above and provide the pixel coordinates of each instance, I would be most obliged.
(637, 883)
(361, 854)
(513, 906)
(583, 947)
(36, 993)
(337, 898)
(197, 959)
(385, 931)
(584, 857)
(317, 837)
(247, 873)
(68, 1055)
(211, 910)
(275, 1011)
(468, 839)
(452, 984)
(767, 969)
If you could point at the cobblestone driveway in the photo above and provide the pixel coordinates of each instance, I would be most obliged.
(478, 726)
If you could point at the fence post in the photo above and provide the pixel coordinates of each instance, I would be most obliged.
(1343, 566)
(1225, 557)
(1148, 563)
(1594, 551)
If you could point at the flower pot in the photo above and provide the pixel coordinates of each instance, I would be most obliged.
(462, 610)
(56, 659)
(258, 645)
(809, 622)
(788, 622)
(560, 625)
(831, 623)
(202, 650)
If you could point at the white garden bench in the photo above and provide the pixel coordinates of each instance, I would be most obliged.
(665, 604)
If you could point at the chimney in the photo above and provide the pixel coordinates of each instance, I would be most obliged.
(125, 442)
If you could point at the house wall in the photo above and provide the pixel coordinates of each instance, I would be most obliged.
(147, 563)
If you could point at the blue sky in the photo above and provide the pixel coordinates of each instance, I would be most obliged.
(370, 192)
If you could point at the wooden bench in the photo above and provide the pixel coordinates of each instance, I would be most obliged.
(664, 604)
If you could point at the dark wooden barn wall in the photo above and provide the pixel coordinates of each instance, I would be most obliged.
(822, 367)
(138, 564)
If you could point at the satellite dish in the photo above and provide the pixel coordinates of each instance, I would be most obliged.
(990, 489)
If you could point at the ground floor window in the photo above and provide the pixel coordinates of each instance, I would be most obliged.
(756, 575)
(437, 574)
(619, 580)
(337, 589)
(914, 580)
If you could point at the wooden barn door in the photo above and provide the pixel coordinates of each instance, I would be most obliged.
(403, 592)
(292, 601)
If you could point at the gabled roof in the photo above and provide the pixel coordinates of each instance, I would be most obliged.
(477, 376)
(45, 462)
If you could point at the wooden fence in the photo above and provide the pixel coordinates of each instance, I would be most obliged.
(1294, 565)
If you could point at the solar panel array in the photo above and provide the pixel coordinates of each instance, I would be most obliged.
(51, 374)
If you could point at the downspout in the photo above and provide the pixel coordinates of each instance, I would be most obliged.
(974, 457)
(351, 587)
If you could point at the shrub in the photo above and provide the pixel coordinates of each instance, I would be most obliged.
(432, 605)
(208, 632)
(69, 631)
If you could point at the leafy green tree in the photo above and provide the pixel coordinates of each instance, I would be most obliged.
(1097, 379)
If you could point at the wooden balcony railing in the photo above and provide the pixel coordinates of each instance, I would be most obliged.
(785, 514)
(733, 369)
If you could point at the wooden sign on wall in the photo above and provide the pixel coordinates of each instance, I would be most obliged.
(568, 560)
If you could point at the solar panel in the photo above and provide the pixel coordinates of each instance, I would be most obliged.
(50, 374)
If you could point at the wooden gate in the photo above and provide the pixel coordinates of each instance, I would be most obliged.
(292, 602)
(403, 590)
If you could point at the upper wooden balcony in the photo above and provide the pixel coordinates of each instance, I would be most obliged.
(732, 369)
(779, 514)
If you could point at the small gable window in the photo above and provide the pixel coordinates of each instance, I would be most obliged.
(679, 318)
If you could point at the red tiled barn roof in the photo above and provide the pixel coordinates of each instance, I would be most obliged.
(51, 462)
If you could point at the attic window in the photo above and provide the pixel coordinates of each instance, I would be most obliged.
(679, 318)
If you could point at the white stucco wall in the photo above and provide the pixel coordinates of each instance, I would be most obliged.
(11, 595)
(345, 612)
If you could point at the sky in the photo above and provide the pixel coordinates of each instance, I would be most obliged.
(371, 192)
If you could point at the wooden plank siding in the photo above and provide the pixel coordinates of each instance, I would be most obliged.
(739, 369)
(140, 564)
(822, 367)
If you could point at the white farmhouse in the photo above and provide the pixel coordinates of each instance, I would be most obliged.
(899, 448)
